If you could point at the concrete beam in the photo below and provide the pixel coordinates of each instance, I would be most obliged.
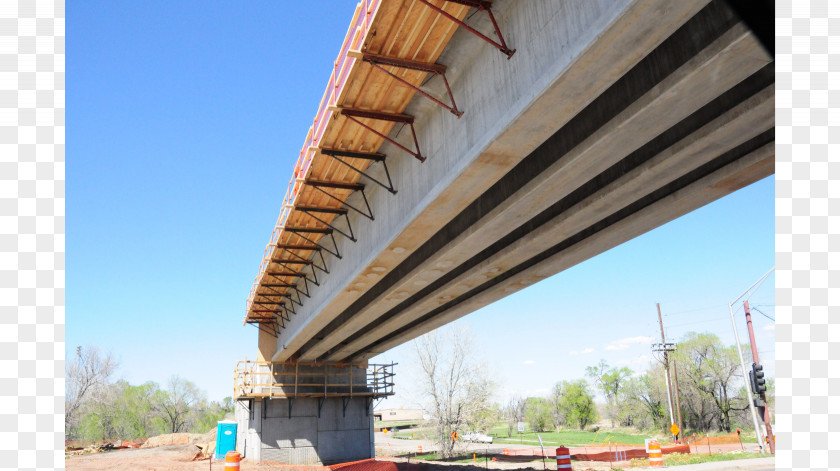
(745, 121)
(683, 92)
(757, 165)
(569, 56)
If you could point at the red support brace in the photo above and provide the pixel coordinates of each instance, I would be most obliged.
(481, 5)
(380, 61)
(353, 115)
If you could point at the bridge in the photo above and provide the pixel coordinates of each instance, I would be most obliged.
(464, 150)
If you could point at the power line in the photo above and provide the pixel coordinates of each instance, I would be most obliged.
(763, 314)
(717, 306)
(714, 319)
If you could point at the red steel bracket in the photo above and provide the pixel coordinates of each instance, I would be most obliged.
(354, 115)
(380, 61)
(481, 5)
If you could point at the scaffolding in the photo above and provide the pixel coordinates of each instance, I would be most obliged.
(272, 380)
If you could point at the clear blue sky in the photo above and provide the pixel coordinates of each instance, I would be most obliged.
(185, 122)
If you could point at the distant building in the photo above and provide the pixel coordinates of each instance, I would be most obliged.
(393, 415)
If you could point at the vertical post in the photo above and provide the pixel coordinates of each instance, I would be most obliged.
(746, 379)
(770, 438)
(667, 370)
(677, 397)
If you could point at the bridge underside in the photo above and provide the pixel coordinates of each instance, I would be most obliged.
(659, 108)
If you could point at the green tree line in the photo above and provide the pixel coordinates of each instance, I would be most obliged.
(712, 395)
(97, 408)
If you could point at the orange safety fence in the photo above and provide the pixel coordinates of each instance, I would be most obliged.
(624, 455)
(365, 465)
(626, 452)
(293, 467)
(728, 439)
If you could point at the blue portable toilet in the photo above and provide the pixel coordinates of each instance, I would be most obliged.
(225, 438)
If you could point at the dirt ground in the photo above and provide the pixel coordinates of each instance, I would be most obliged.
(168, 457)
(178, 458)
(481, 465)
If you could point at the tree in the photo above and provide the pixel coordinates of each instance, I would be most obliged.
(86, 375)
(576, 403)
(712, 371)
(455, 386)
(558, 414)
(609, 381)
(175, 403)
(538, 413)
(642, 400)
(514, 412)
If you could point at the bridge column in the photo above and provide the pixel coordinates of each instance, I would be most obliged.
(308, 413)
(266, 345)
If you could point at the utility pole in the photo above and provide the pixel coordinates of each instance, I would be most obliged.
(750, 401)
(771, 439)
(665, 348)
(746, 380)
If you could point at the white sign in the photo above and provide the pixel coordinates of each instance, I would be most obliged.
(647, 442)
(520, 426)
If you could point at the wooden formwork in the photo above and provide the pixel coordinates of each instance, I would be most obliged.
(390, 50)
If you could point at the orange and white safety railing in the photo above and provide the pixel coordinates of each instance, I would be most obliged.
(353, 40)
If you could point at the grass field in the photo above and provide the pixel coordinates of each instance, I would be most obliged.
(563, 437)
(568, 437)
(550, 438)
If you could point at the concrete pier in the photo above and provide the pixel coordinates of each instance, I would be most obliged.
(306, 431)
(314, 414)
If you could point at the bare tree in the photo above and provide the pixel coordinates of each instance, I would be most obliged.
(86, 375)
(175, 403)
(456, 387)
(514, 412)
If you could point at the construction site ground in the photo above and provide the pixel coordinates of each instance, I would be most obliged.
(167, 457)
(180, 457)
(391, 447)
(176, 457)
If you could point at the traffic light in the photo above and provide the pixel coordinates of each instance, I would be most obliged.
(757, 380)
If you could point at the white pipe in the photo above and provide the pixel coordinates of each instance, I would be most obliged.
(746, 376)
(668, 389)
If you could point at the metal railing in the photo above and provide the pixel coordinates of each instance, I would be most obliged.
(353, 40)
(278, 380)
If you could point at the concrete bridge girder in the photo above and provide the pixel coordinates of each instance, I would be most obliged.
(756, 165)
(561, 70)
(736, 52)
(745, 121)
